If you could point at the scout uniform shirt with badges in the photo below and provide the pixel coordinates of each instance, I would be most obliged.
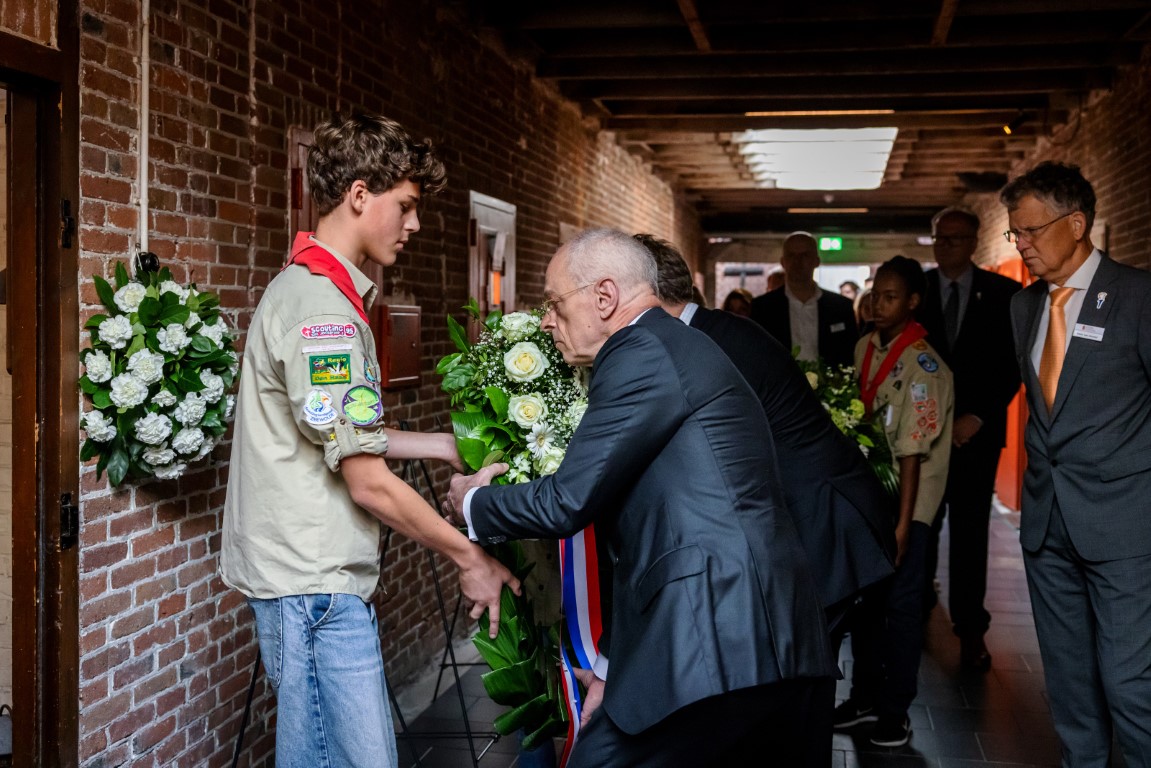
(308, 398)
(914, 402)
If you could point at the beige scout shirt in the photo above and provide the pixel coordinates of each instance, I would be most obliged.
(915, 403)
(309, 395)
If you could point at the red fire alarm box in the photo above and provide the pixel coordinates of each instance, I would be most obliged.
(397, 330)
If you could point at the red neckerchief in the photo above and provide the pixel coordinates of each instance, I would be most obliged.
(319, 261)
(868, 389)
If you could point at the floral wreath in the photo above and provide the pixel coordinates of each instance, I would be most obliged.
(158, 376)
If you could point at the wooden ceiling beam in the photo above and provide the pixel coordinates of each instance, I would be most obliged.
(691, 17)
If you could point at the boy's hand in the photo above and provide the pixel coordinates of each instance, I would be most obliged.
(482, 580)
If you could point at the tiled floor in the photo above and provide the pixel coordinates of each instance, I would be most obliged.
(959, 720)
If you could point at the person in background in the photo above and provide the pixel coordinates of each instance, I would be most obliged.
(813, 323)
(1083, 344)
(905, 384)
(863, 313)
(309, 483)
(967, 316)
(738, 302)
(775, 280)
(849, 289)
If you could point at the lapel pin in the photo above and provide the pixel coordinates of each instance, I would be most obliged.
(1100, 298)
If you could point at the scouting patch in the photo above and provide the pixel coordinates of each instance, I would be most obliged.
(897, 369)
(927, 362)
(315, 349)
(330, 369)
(919, 392)
(318, 408)
(329, 331)
(921, 344)
(362, 405)
(370, 373)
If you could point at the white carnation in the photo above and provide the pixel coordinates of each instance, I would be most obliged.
(205, 448)
(153, 429)
(99, 427)
(525, 362)
(161, 454)
(173, 338)
(519, 325)
(171, 287)
(191, 410)
(215, 331)
(170, 472)
(128, 391)
(148, 366)
(98, 367)
(231, 406)
(188, 440)
(164, 399)
(213, 386)
(541, 438)
(116, 331)
(526, 410)
(193, 318)
(129, 297)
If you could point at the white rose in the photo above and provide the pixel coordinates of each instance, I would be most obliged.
(99, 427)
(116, 331)
(525, 362)
(549, 462)
(576, 412)
(812, 379)
(191, 410)
(171, 287)
(173, 338)
(231, 406)
(128, 391)
(170, 472)
(159, 455)
(98, 367)
(129, 297)
(213, 386)
(164, 399)
(148, 366)
(215, 331)
(188, 440)
(193, 318)
(519, 325)
(526, 410)
(153, 429)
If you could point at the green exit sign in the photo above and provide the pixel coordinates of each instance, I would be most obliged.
(831, 243)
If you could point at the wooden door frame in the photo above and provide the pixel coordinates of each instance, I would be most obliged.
(44, 152)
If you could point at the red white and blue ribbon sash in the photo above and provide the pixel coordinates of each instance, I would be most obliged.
(579, 574)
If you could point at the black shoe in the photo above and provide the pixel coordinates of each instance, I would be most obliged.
(851, 713)
(973, 655)
(891, 731)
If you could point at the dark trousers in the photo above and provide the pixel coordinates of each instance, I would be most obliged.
(967, 506)
(887, 637)
(786, 723)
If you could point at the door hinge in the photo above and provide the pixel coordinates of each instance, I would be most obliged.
(69, 522)
(67, 224)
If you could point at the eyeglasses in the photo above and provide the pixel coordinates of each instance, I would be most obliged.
(1029, 233)
(950, 241)
(550, 304)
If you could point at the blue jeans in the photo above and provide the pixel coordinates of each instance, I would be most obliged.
(322, 656)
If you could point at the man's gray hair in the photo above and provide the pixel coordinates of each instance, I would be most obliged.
(957, 211)
(598, 253)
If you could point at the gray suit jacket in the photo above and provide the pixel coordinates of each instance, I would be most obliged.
(711, 586)
(1092, 454)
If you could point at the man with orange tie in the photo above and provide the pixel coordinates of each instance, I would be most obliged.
(1083, 340)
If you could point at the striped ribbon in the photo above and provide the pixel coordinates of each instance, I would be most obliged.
(579, 574)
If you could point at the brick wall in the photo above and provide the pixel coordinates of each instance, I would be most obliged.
(165, 648)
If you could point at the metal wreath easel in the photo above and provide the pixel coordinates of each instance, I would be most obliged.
(449, 625)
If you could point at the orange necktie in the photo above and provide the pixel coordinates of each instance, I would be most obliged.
(1054, 346)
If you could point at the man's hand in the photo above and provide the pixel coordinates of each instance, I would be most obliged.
(594, 696)
(964, 429)
(482, 580)
(453, 505)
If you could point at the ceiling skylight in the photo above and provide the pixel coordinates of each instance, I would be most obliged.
(827, 158)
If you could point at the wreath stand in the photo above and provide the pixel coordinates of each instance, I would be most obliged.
(449, 624)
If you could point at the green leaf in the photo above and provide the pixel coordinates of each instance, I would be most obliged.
(448, 362)
(148, 311)
(121, 275)
(117, 466)
(493, 458)
(102, 399)
(531, 712)
(471, 451)
(89, 449)
(136, 345)
(513, 685)
(176, 313)
(492, 321)
(203, 344)
(458, 334)
(106, 294)
(189, 381)
(459, 377)
(211, 420)
(94, 321)
(554, 725)
(499, 400)
(87, 386)
(490, 651)
(207, 300)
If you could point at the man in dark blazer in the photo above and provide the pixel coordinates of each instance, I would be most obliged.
(717, 637)
(819, 323)
(1086, 528)
(968, 319)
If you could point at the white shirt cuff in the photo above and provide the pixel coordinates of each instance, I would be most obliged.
(468, 514)
(600, 667)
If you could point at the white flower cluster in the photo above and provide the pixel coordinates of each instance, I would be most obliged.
(173, 338)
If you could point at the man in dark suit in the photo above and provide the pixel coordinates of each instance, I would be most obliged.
(717, 640)
(819, 323)
(1083, 341)
(967, 316)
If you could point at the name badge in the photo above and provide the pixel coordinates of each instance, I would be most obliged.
(1091, 332)
(837, 327)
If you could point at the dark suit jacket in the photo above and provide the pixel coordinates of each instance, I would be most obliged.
(1092, 454)
(983, 358)
(837, 330)
(844, 518)
(712, 591)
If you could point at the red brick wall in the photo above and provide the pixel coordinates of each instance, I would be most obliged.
(165, 648)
